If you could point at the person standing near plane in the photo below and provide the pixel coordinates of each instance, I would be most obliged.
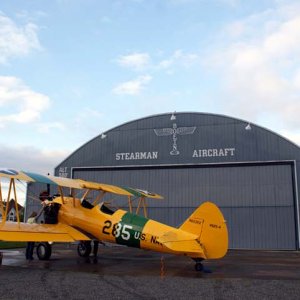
(30, 245)
(49, 208)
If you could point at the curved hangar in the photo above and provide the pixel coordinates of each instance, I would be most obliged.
(189, 158)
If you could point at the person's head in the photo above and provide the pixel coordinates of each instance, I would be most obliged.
(33, 214)
(44, 195)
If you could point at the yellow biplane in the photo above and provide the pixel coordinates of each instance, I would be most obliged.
(202, 236)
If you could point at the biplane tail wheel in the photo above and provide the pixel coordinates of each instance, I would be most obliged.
(199, 267)
(43, 251)
(84, 249)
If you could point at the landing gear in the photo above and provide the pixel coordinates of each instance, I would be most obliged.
(43, 251)
(84, 249)
(198, 266)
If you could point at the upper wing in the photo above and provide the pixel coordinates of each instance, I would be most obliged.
(34, 177)
(23, 232)
(104, 187)
(120, 190)
(143, 193)
(75, 183)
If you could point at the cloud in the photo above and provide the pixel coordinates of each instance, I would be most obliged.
(88, 118)
(133, 87)
(292, 136)
(260, 66)
(135, 61)
(231, 3)
(16, 40)
(18, 103)
(30, 158)
(142, 61)
(47, 127)
(179, 58)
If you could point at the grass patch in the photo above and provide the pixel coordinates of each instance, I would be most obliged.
(12, 245)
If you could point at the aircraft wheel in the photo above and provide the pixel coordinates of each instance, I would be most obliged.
(43, 251)
(198, 267)
(84, 249)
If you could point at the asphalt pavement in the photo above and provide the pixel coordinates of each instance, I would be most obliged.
(127, 273)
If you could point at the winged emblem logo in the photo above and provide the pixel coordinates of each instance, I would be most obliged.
(174, 131)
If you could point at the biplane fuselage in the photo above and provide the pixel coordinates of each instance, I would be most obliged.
(120, 226)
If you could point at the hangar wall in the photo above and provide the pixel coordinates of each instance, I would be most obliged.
(250, 174)
(257, 200)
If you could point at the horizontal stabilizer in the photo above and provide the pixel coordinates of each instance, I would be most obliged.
(23, 232)
(182, 242)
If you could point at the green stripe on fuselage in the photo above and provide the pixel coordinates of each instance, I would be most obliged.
(131, 230)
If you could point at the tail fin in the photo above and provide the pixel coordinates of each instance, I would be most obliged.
(208, 223)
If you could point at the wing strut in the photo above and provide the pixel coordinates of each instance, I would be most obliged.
(130, 204)
(142, 203)
(98, 198)
(12, 188)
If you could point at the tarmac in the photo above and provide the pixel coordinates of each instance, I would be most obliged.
(128, 273)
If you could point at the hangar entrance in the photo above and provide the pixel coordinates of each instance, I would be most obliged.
(257, 200)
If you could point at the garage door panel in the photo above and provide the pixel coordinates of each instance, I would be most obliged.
(257, 200)
(286, 229)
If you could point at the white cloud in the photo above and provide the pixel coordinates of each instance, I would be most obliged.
(231, 3)
(19, 104)
(292, 136)
(135, 61)
(143, 61)
(31, 159)
(88, 118)
(133, 87)
(16, 40)
(296, 80)
(260, 66)
(28, 159)
(179, 58)
(47, 127)
(91, 112)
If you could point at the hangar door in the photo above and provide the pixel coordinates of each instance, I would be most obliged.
(256, 200)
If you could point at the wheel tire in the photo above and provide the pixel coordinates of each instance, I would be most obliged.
(84, 249)
(43, 251)
(198, 267)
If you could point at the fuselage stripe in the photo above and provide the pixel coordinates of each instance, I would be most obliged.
(131, 230)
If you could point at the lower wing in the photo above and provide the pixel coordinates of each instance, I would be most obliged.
(23, 232)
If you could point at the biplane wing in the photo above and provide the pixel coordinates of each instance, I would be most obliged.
(120, 190)
(23, 232)
(34, 177)
(76, 183)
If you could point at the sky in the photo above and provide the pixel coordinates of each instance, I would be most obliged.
(72, 69)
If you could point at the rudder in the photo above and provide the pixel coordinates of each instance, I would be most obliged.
(208, 223)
